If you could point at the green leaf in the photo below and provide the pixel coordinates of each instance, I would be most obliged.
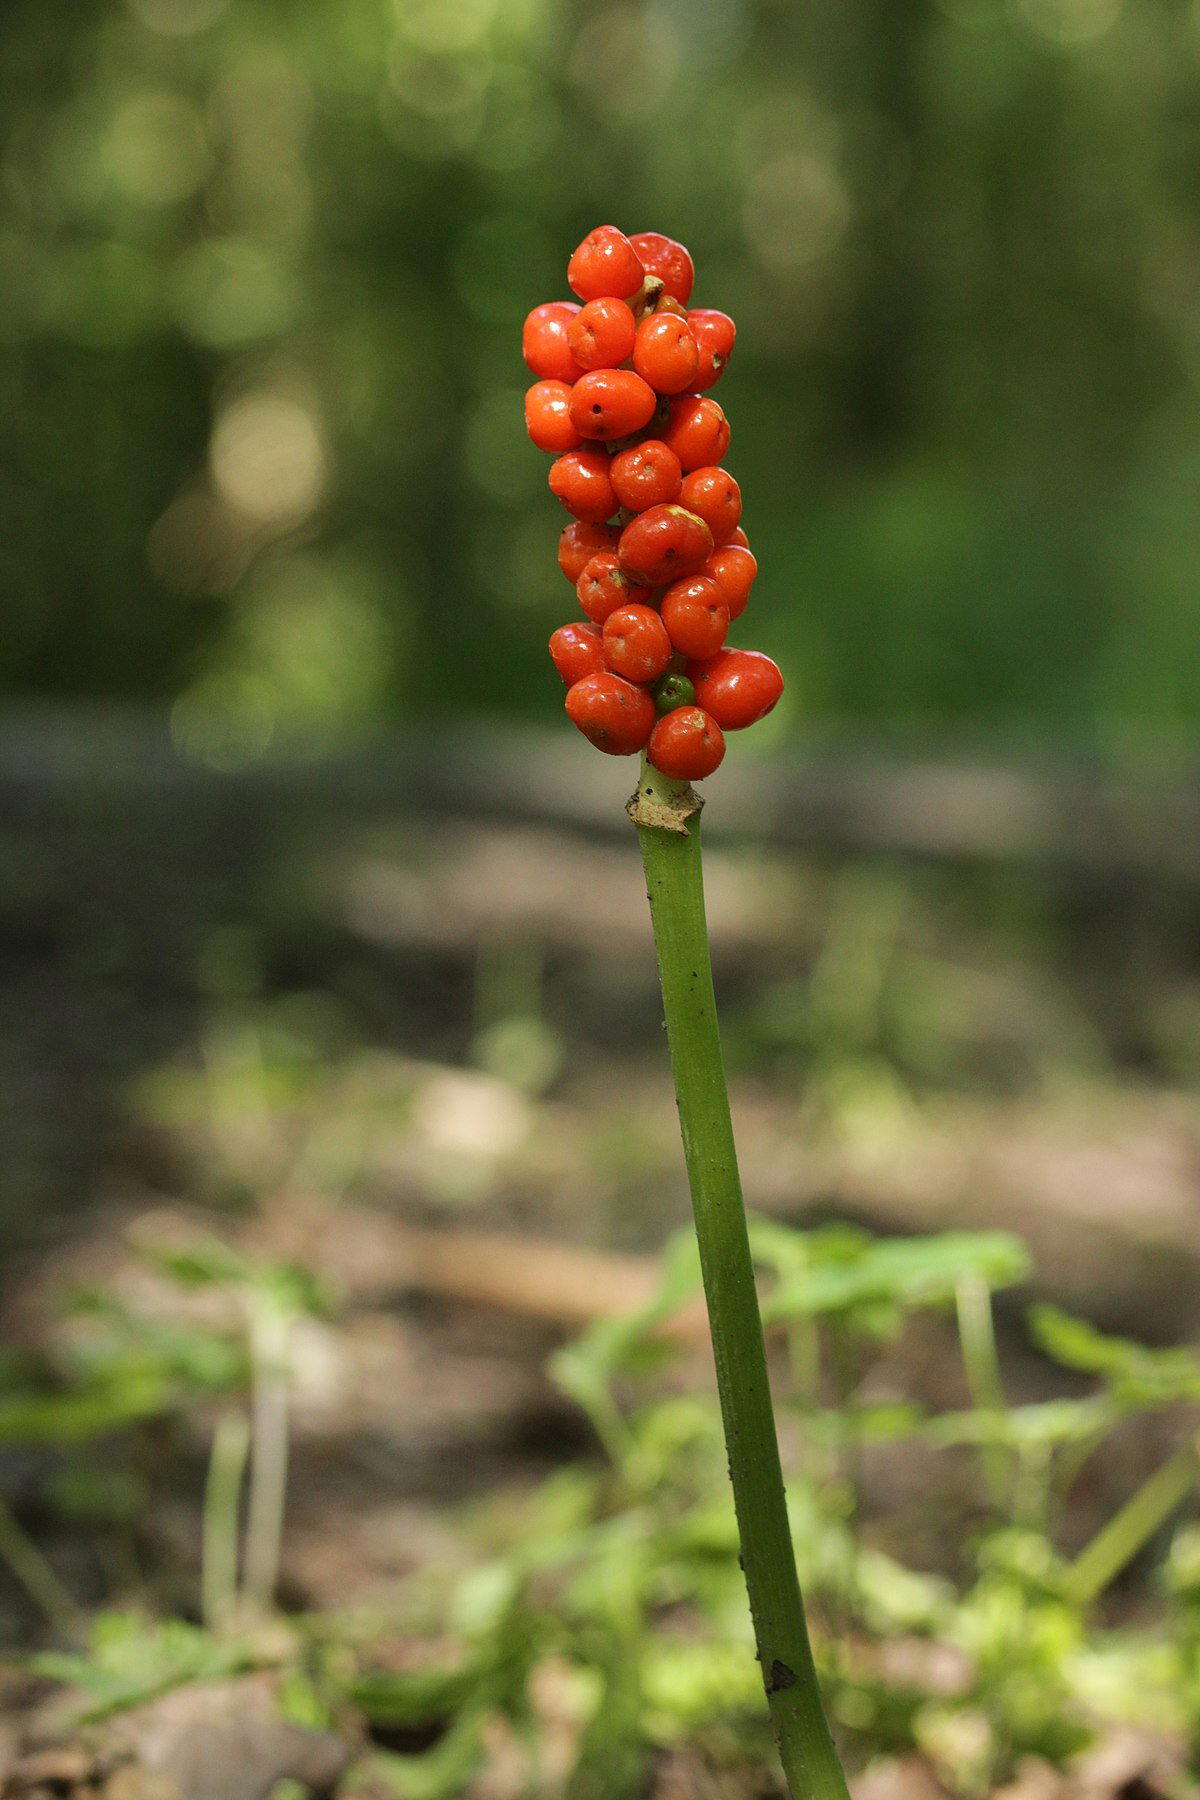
(131, 1659)
(410, 1698)
(905, 1272)
(1136, 1376)
(440, 1773)
(1047, 1423)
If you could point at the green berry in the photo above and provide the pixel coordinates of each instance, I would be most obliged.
(673, 691)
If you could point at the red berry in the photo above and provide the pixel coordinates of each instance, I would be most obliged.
(611, 403)
(738, 687)
(717, 498)
(578, 543)
(580, 479)
(739, 537)
(697, 431)
(544, 342)
(602, 333)
(733, 568)
(663, 544)
(647, 474)
(663, 257)
(686, 743)
(605, 263)
(548, 417)
(613, 714)
(576, 651)
(695, 615)
(715, 333)
(665, 353)
(636, 644)
(602, 587)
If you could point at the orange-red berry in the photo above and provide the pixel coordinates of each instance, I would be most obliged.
(687, 743)
(696, 430)
(647, 474)
(665, 353)
(602, 333)
(715, 333)
(738, 687)
(663, 257)
(579, 542)
(580, 479)
(548, 417)
(612, 713)
(605, 263)
(602, 587)
(611, 403)
(733, 568)
(716, 496)
(544, 342)
(739, 537)
(663, 544)
(695, 615)
(576, 651)
(636, 643)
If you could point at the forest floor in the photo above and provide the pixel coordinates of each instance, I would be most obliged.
(422, 1067)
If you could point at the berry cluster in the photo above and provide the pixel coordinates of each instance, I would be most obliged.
(655, 551)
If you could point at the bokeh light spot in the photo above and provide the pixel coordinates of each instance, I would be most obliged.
(623, 61)
(157, 149)
(796, 211)
(230, 291)
(1071, 22)
(177, 18)
(268, 458)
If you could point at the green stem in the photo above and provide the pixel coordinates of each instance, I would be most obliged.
(28, 1566)
(222, 1502)
(270, 1351)
(977, 1336)
(666, 814)
(1118, 1542)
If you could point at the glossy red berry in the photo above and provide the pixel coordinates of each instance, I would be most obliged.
(716, 497)
(548, 417)
(647, 474)
(579, 542)
(602, 587)
(687, 744)
(602, 334)
(739, 537)
(544, 343)
(663, 257)
(605, 263)
(611, 403)
(665, 353)
(576, 651)
(636, 644)
(663, 544)
(733, 568)
(695, 615)
(612, 713)
(580, 479)
(715, 333)
(696, 430)
(738, 687)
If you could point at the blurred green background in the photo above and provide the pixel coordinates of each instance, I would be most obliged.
(263, 265)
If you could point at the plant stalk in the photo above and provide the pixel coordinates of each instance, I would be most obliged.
(222, 1502)
(270, 1352)
(1129, 1530)
(666, 814)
